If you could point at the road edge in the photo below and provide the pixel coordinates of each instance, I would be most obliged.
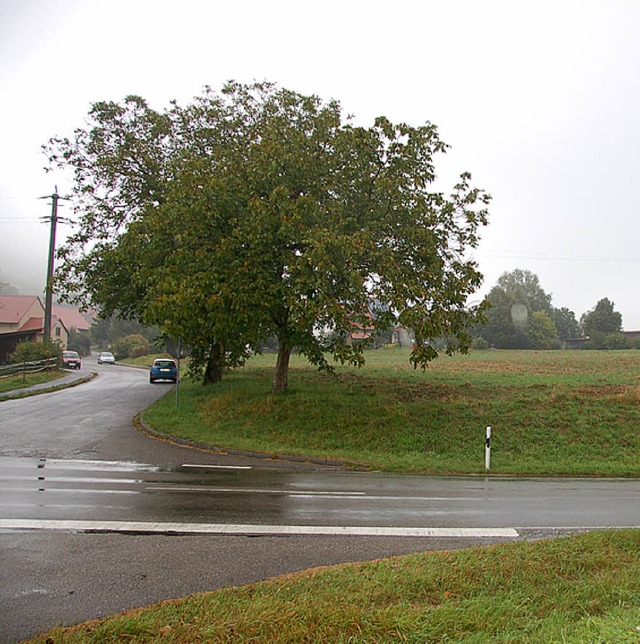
(143, 428)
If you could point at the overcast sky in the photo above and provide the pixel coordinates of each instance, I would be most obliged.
(540, 101)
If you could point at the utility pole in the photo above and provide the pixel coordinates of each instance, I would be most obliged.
(48, 302)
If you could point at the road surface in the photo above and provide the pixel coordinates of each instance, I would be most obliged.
(96, 518)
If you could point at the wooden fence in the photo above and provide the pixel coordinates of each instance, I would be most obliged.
(28, 367)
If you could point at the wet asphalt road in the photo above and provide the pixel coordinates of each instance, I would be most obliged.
(84, 435)
(74, 456)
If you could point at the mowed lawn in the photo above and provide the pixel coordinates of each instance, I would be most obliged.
(553, 412)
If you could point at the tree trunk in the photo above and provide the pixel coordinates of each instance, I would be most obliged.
(215, 365)
(281, 378)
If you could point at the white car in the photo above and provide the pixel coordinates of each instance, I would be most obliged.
(106, 357)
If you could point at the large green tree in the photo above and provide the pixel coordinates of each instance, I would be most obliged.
(260, 212)
(524, 287)
(520, 313)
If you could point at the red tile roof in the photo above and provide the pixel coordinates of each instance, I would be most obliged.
(71, 318)
(33, 324)
(13, 307)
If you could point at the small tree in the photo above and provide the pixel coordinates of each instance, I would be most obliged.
(566, 323)
(519, 313)
(601, 320)
(541, 332)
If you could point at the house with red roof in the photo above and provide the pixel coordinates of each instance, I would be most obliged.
(22, 318)
(72, 318)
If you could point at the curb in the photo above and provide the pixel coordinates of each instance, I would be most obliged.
(142, 427)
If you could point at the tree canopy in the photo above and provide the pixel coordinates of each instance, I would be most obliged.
(258, 211)
(603, 325)
(521, 316)
(524, 288)
(520, 313)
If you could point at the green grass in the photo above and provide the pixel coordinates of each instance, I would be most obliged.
(556, 413)
(574, 589)
(18, 382)
(143, 361)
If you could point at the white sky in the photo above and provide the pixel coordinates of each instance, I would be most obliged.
(540, 101)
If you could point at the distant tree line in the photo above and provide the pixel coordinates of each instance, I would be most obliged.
(521, 316)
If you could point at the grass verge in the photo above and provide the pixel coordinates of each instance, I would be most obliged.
(143, 361)
(555, 413)
(574, 589)
(18, 382)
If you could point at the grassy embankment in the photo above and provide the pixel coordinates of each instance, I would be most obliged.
(576, 589)
(20, 382)
(571, 413)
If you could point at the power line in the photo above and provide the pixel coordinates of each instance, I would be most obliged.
(558, 258)
(18, 220)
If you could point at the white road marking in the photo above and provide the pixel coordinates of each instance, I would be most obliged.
(346, 494)
(122, 466)
(246, 490)
(242, 529)
(217, 467)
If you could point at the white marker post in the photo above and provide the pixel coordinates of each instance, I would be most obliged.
(487, 450)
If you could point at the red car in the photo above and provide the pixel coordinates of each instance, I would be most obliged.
(71, 360)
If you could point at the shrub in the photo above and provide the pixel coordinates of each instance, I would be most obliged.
(480, 344)
(32, 351)
(615, 341)
(131, 346)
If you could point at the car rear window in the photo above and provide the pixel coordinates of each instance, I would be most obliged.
(165, 363)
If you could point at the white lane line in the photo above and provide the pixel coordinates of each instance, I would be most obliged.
(246, 490)
(347, 494)
(120, 466)
(217, 467)
(242, 529)
(58, 491)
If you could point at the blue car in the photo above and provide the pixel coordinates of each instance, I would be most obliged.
(163, 369)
